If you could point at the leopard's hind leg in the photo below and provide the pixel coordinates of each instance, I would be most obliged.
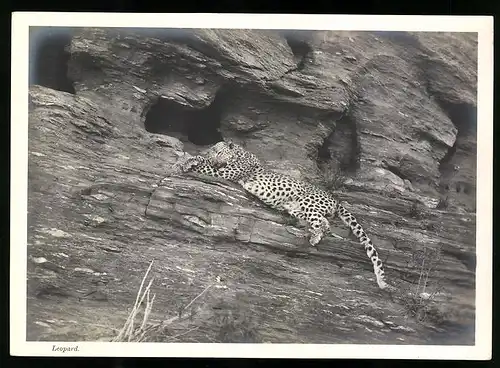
(318, 224)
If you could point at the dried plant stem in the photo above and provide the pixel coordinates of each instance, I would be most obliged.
(127, 332)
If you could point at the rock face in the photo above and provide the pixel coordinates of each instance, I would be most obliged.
(386, 120)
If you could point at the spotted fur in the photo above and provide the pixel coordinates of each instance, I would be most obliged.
(302, 200)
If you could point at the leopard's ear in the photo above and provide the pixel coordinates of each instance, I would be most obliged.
(230, 144)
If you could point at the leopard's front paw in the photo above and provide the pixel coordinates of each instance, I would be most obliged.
(188, 163)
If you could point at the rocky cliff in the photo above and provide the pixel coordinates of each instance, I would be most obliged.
(385, 120)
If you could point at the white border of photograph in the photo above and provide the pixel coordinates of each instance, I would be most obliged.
(483, 25)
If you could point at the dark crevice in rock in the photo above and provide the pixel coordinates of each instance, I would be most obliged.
(445, 161)
(457, 169)
(49, 58)
(324, 154)
(356, 148)
(301, 50)
(464, 117)
(198, 126)
(351, 162)
(340, 150)
(400, 38)
(396, 171)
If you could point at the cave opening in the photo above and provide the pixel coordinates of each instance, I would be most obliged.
(462, 115)
(198, 126)
(340, 150)
(324, 154)
(464, 118)
(457, 172)
(48, 55)
(301, 50)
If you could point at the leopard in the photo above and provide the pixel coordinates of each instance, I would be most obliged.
(302, 200)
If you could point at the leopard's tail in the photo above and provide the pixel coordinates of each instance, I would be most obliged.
(372, 253)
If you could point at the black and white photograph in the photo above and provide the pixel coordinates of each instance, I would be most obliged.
(251, 188)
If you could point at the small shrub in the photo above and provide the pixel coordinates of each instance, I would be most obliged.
(416, 211)
(419, 299)
(424, 308)
(235, 327)
(145, 330)
(443, 203)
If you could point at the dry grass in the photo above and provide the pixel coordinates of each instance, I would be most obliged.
(229, 325)
(419, 299)
(140, 330)
(129, 331)
(417, 211)
(236, 327)
(443, 203)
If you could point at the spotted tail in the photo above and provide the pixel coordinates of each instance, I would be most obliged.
(372, 253)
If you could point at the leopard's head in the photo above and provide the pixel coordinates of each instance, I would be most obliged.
(221, 153)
